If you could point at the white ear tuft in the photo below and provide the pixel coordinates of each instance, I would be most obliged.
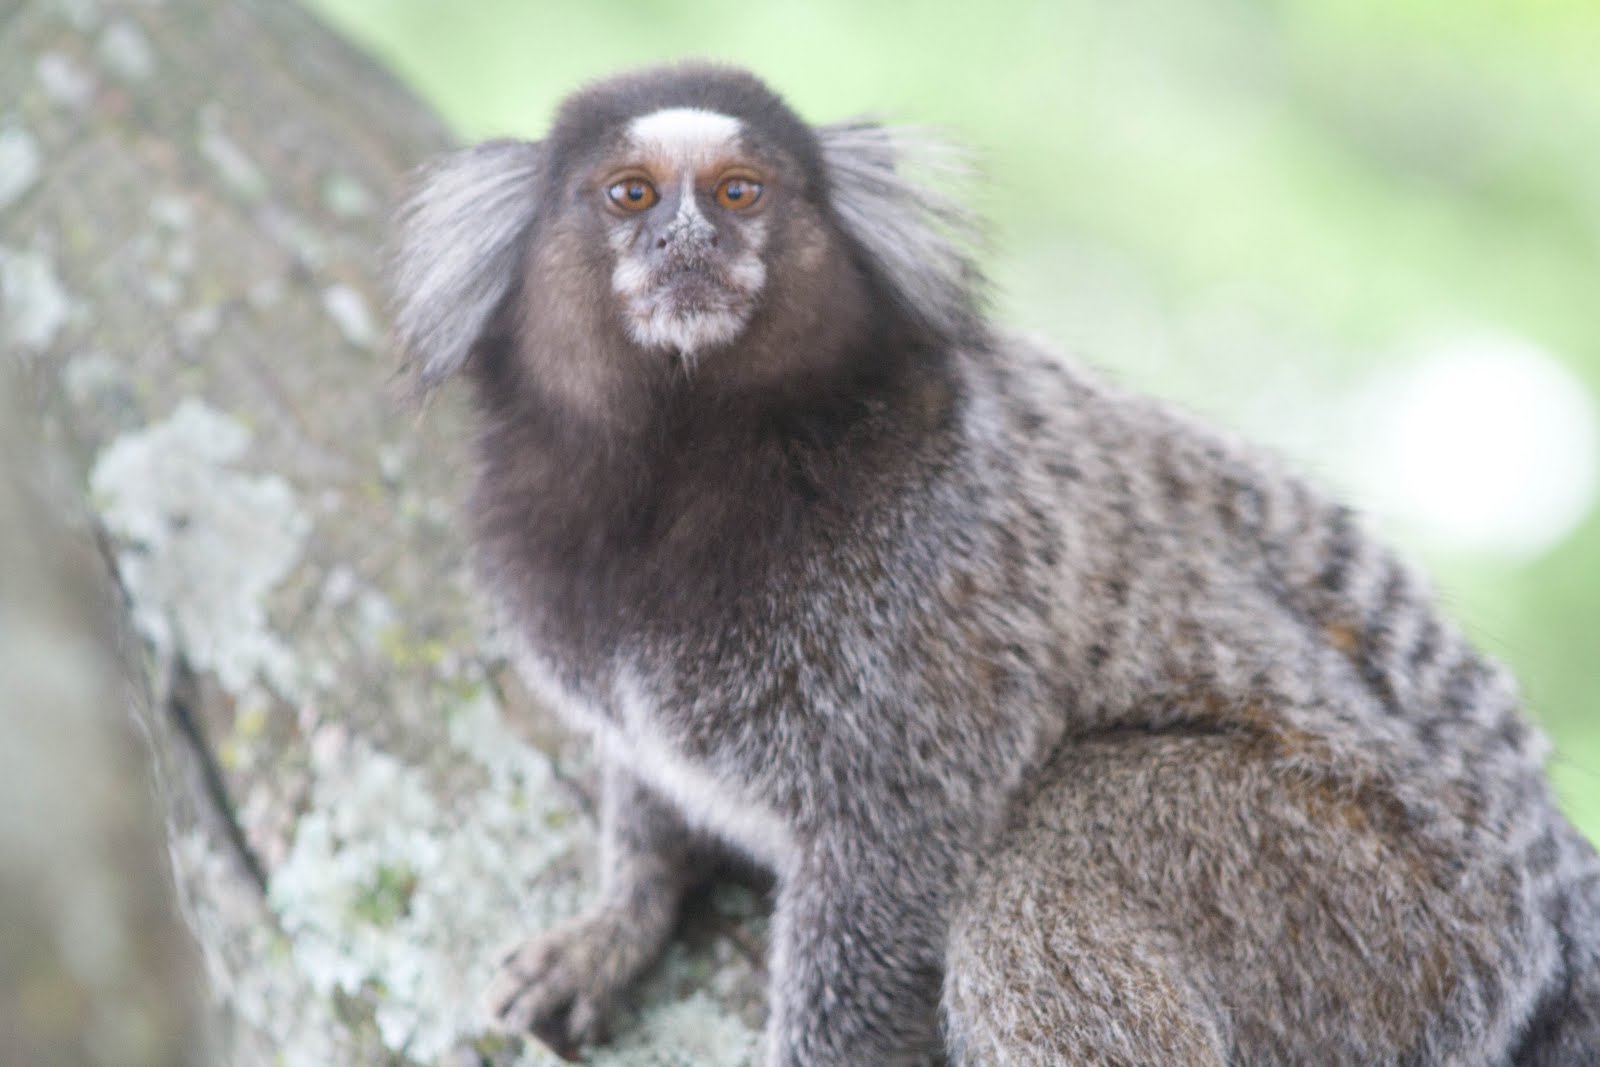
(887, 186)
(457, 248)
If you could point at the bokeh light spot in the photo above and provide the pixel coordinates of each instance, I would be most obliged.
(1485, 443)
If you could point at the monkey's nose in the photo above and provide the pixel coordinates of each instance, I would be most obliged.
(685, 248)
(661, 242)
(687, 232)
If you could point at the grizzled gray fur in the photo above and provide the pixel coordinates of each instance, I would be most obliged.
(1073, 731)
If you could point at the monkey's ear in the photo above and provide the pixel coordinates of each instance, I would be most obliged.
(457, 248)
(888, 187)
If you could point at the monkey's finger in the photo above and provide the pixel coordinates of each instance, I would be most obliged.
(516, 1005)
(555, 1032)
(583, 1020)
(532, 972)
(531, 1005)
(533, 956)
(518, 995)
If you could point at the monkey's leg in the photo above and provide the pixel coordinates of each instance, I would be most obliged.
(1050, 962)
(1076, 981)
(559, 984)
(1204, 898)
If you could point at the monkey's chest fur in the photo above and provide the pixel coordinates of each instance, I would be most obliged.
(759, 618)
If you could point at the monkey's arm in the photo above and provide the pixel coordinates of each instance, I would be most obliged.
(857, 948)
(560, 983)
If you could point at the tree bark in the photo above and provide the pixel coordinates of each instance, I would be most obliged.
(96, 967)
(362, 808)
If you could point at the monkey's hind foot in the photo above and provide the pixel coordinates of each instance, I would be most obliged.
(559, 985)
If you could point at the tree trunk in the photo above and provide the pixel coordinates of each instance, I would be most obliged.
(362, 807)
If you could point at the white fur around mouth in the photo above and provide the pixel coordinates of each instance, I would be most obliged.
(660, 326)
(658, 318)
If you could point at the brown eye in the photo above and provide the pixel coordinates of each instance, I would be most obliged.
(738, 193)
(632, 194)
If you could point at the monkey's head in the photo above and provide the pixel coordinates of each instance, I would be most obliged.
(677, 220)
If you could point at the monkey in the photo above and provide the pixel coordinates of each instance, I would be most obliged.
(1072, 729)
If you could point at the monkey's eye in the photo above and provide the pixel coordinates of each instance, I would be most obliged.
(632, 194)
(738, 193)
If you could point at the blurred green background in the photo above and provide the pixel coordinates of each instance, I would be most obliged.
(1365, 231)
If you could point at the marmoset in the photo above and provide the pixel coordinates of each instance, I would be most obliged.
(1072, 730)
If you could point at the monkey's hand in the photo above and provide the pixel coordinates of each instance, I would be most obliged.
(559, 985)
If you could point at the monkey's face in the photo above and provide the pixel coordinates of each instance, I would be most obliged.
(686, 208)
(678, 215)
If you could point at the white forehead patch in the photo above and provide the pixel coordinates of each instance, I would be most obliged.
(690, 136)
